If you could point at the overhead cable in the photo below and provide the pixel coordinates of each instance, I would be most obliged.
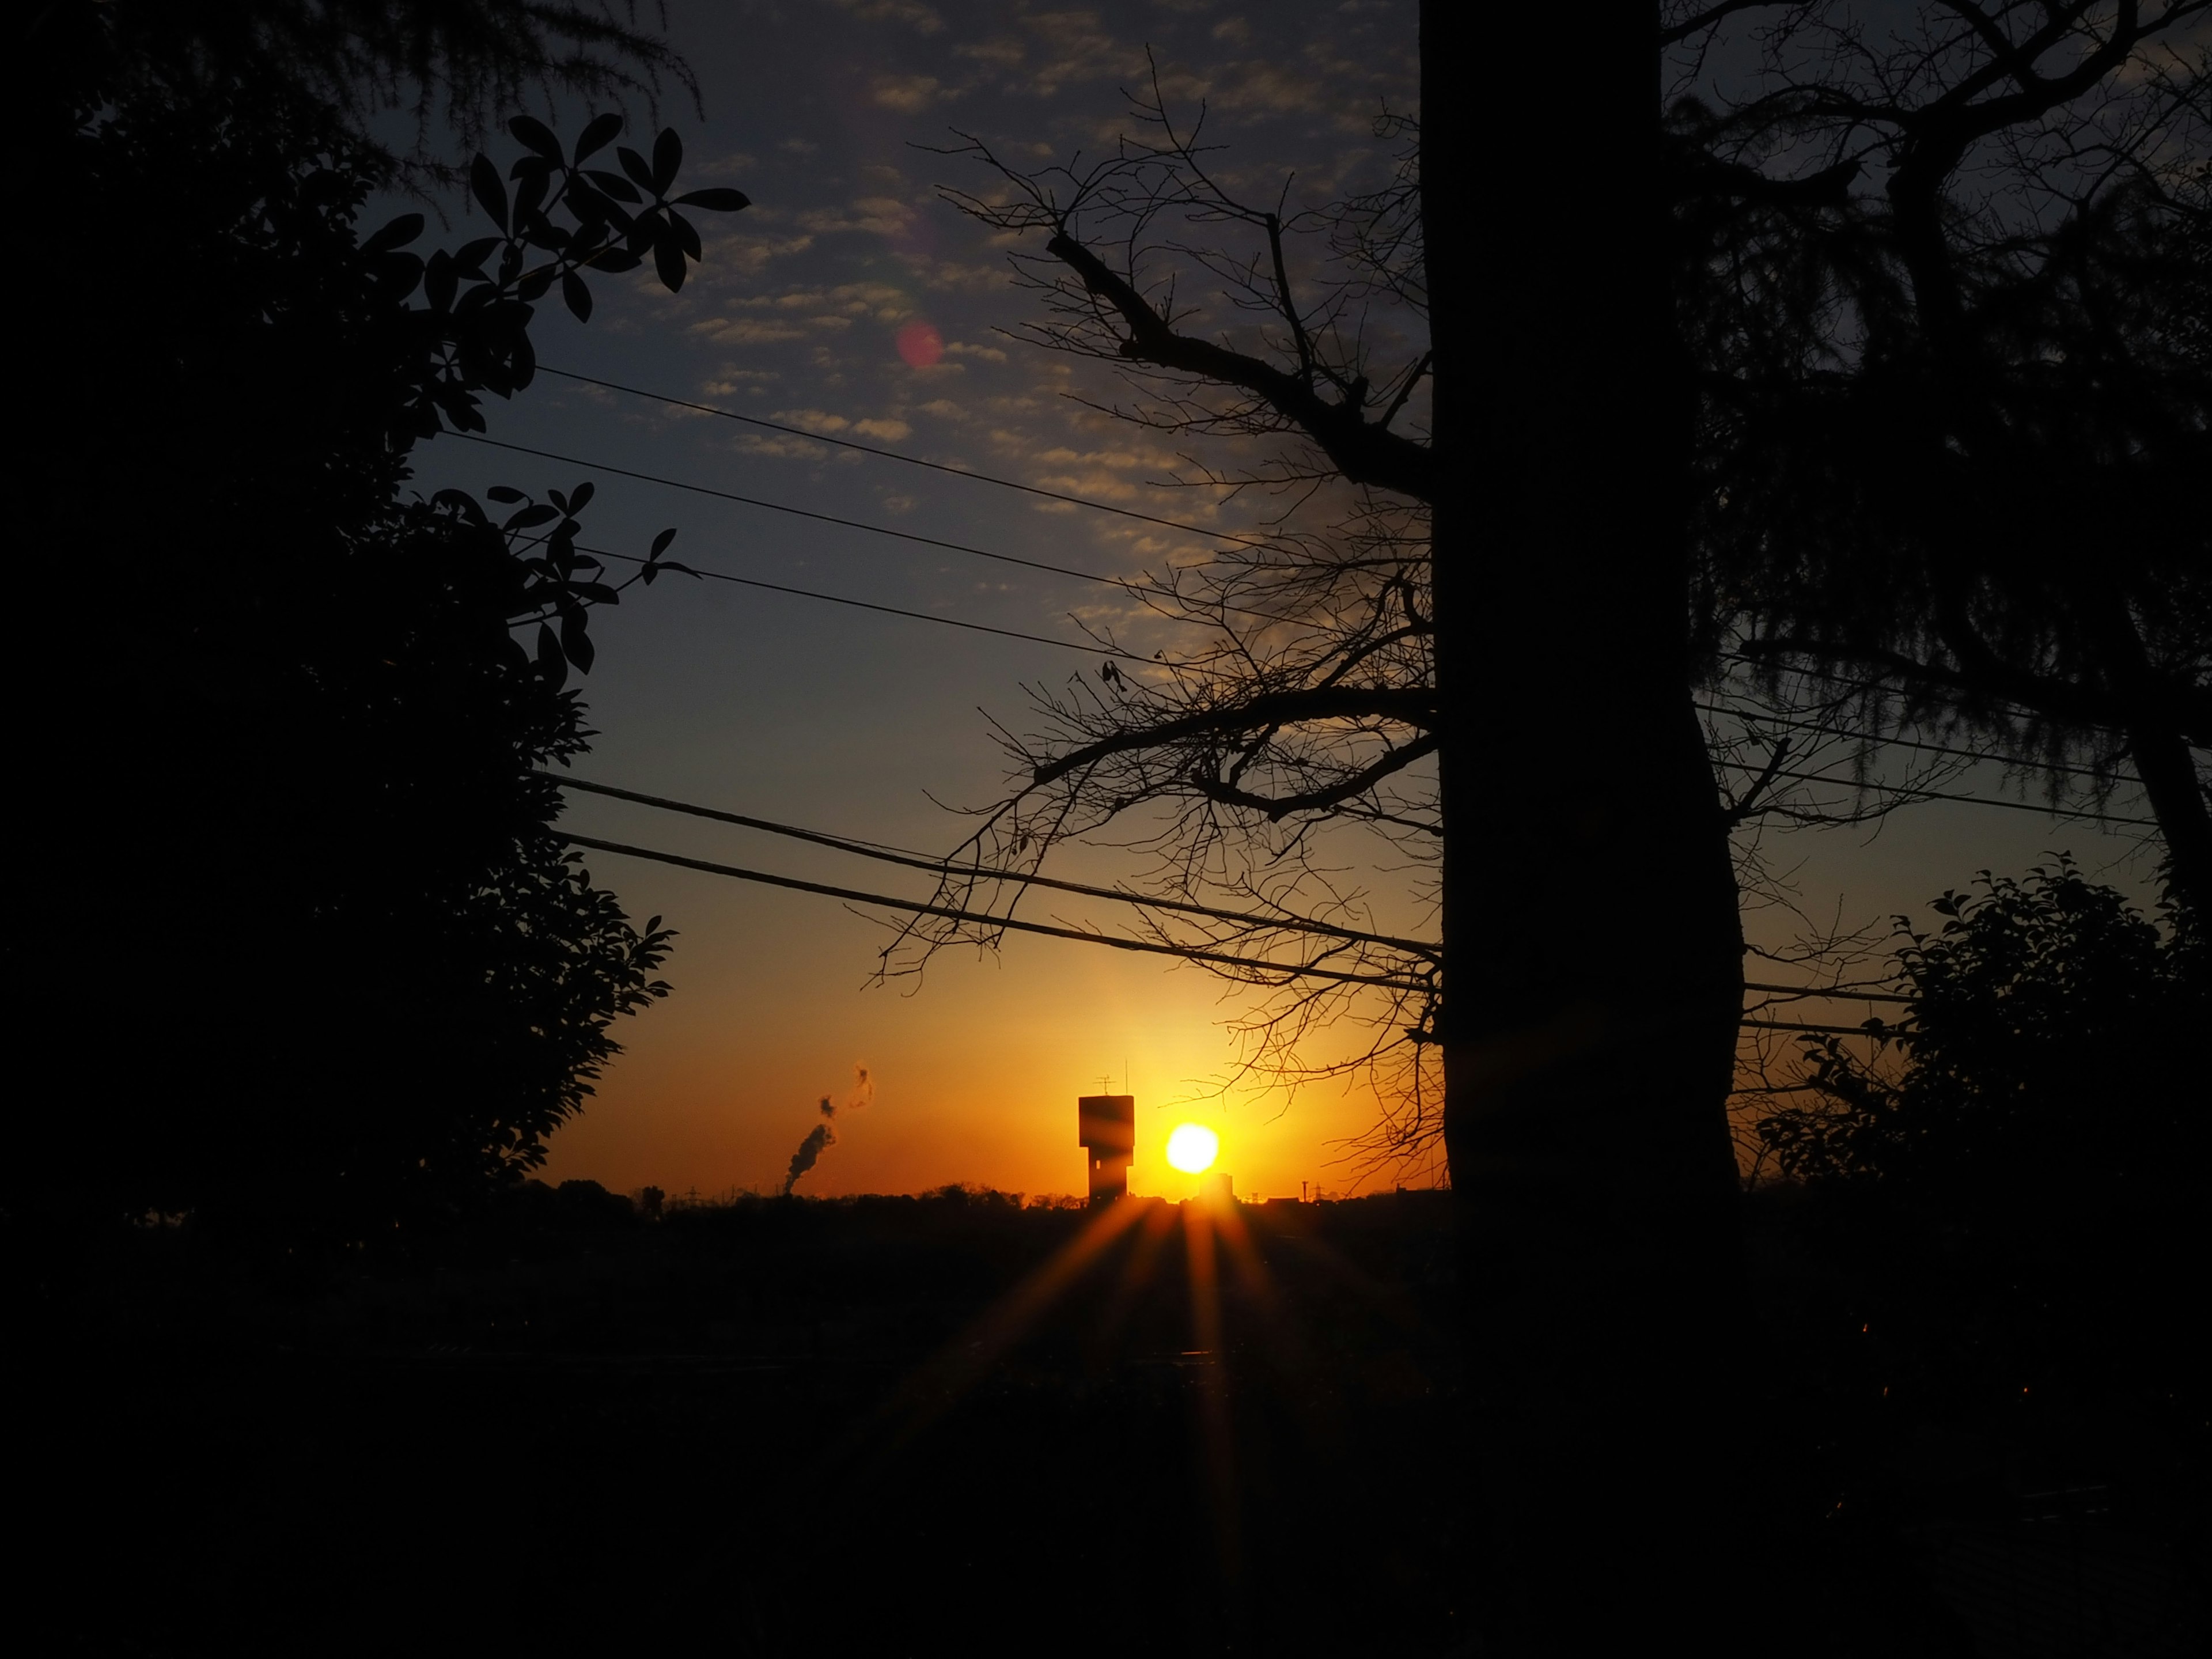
(1154, 947)
(1823, 1030)
(911, 461)
(800, 512)
(1840, 993)
(1906, 793)
(1762, 718)
(888, 609)
(945, 867)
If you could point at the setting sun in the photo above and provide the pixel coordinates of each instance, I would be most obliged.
(1192, 1148)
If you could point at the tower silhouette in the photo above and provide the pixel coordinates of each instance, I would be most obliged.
(1106, 1127)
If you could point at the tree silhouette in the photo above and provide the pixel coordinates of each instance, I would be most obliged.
(1957, 399)
(2020, 1166)
(1520, 373)
(326, 964)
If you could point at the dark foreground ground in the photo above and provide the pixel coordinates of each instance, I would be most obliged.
(918, 1426)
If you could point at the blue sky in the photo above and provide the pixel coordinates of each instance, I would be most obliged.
(852, 722)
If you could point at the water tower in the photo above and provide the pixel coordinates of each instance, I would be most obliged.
(1106, 1127)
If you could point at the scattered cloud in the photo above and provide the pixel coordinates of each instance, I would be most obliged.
(921, 19)
(890, 431)
(1001, 52)
(985, 353)
(884, 215)
(745, 331)
(910, 94)
(751, 255)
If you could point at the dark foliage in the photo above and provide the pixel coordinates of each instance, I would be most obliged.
(1945, 286)
(309, 952)
(2020, 1186)
(466, 60)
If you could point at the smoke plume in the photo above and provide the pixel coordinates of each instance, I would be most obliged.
(822, 1135)
(809, 1150)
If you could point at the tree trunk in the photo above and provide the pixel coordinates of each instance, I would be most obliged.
(1585, 842)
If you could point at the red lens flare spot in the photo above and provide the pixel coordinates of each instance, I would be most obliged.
(920, 344)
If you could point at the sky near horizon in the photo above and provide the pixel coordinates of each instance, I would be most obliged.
(862, 724)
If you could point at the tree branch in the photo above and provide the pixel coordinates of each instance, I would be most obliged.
(1362, 450)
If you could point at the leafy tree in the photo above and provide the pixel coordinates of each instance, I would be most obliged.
(1948, 285)
(2024, 1160)
(352, 60)
(326, 962)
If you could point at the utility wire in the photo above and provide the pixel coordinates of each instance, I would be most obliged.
(1752, 715)
(2010, 706)
(945, 867)
(910, 460)
(1801, 1025)
(886, 853)
(1154, 947)
(1910, 794)
(1151, 947)
(799, 511)
(1136, 590)
(1906, 794)
(887, 610)
(1838, 994)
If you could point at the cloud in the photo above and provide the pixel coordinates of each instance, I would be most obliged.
(745, 331)
(944, 408)
(890, 430)
(730, 380)
(839, 307)
(884, 215)
(1265, 89)
(751, 255)
(798, 146)
(985, 353)
(910, 94)
(921, 19)
(1083, 51)
(1001, 52)
(812, 420)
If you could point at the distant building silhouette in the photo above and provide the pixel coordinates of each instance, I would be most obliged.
(1106, 1127)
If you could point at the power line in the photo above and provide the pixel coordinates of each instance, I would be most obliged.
(1801, 1025)
(2007, 704)
(1840, 993)
(1908, 794)
(1148, 947)
(943, 867)
(888, 610)
(910, 460)
(1138, 590)
(802, 512)
(1900, 743)
(1252, 964)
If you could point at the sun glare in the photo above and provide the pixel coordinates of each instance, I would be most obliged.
(1192, 1148)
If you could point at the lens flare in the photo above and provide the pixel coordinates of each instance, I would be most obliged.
(1193, 1147)
(920, 344)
